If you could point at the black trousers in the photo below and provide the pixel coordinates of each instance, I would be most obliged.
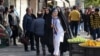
(31, 39)
(14, 34)
(39, 39)
(96, 33)
(74, 27)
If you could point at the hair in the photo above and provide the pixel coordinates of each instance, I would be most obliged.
(97, 9)
(74, 7)
(6, 9)
(39, 14)
(27, 9)
(12, 8)
(1, 1)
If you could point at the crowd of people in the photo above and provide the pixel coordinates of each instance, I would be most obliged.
(10, 21)
(46, 28)
(49, 27)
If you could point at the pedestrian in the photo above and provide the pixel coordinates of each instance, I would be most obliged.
(13, 24)
(48, 30)
(2, 9)
(67, 11)
(87, 24)
(74, 19)
(95, 24)
(6, 21)
(58, 32)
(38, 29)
(27, 24)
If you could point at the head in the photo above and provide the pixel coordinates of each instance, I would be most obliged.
(74, 7)
(55, 13)
(7, 9)
(1, 2)
(12, 8)
(29, 10)
(47, 10)
(39, 14)
(97, 10)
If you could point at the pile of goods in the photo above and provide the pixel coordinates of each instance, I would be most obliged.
(77, 39)
(91, 43)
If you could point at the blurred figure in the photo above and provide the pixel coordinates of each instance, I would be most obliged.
(89, 12)
(74, 19)
(27, 24)
(14, 22)
(48, 30)
(95, 24)
(58, 32)
(6, 21)
(67, 11)
(2, 9)
(38, 29)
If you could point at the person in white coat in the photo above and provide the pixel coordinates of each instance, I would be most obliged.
(58, 32)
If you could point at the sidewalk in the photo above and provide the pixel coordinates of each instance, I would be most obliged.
(19, 50)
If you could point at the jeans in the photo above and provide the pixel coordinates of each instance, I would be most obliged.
(9, 31)
(74, 27)
(96, 33)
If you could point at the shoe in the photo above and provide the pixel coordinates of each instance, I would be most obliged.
(37, 54)
(44, 53)
(26, 50)
(33, 49)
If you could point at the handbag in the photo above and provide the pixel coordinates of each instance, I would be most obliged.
(24, 39)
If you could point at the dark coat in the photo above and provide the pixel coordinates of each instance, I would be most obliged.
(48, 32)
(27, 21)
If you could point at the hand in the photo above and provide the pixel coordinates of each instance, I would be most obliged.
(69, 21)
(64, 31)
(52, 26)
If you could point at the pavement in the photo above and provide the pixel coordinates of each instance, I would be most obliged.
(19, 50)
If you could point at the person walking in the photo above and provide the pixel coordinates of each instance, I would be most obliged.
(27, 24)
(6, 21)
(74, 19)
(95, 24)
(58, 32)
(38, 29)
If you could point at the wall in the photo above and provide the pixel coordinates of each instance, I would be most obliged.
(34, 6)
(21, 6)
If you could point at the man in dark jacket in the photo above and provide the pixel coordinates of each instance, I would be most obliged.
(27, 21)
(38, 29)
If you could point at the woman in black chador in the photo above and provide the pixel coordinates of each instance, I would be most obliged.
(48, 30)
